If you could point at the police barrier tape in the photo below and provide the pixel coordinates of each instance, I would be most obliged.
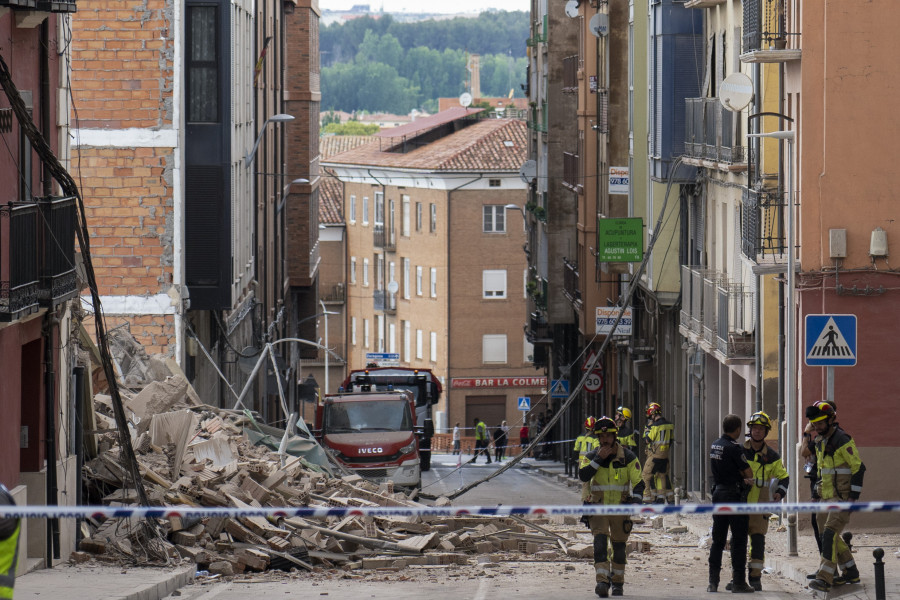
(69, 512)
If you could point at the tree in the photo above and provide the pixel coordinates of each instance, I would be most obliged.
(351, 128)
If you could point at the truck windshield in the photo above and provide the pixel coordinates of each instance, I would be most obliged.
(373, 415)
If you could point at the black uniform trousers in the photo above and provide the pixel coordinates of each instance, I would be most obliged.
(739, 525)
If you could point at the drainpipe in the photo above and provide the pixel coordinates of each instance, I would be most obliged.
(384, 268)
(44, 102)
(50, 421)
(78, 408)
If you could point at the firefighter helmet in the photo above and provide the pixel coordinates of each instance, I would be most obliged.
(652, 408)
(625, 412)
(605, 425)
(589, 423)
(820, 411)
(760, 418)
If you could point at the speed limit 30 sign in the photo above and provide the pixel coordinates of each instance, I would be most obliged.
(594, 381)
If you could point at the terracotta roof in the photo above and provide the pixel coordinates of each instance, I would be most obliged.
(331, 191)
(330, 145)
(487, 145)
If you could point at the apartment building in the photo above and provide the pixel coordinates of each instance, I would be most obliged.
(436, 273)
(38, 280)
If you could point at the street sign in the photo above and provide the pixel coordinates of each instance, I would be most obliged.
(830, 340)
(594, 382)
(382, 356)
(606, 316)
(559, 388)
(524, 403)
(588, 361)
(620, 240)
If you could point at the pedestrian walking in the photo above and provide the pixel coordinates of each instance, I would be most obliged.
(481, 441)
(499, 442)
(658, 439)
(614, 475)
(523, 436)
(9, 546)
(731, 476)
(841, 474)
(456, 440)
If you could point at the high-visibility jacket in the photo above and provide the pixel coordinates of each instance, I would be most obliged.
(766, 466)
(481, 431)
(588, 443)
(627, 437)
(9, 547)
(841, 470)
(659, 435)
(615, 479)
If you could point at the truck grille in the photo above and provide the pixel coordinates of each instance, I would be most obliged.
(372, 473)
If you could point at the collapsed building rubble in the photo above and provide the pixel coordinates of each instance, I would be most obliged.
(191, 454)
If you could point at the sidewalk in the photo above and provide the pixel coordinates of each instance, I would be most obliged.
(793, 568)
(101, 582)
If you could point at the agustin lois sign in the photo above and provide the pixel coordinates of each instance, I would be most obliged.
(620, 240)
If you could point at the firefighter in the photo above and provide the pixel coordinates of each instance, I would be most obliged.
(627, 436)
(614, 474)
(770, 484)
(481, 441)
(586, 442)
(658, 438)
(841, 474)
(9, 546)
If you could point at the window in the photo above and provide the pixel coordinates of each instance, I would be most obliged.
(493, 183)
(351, 216)
(494, 220)
(529, 350)
(352, 270)
(434, 283)
(379, 272)
(365, 203)
(419, 348)
(366, 272)
(392, 342)
(493, 284)
(202, 65)
(406, 278)
(379, 208)
(405, 216)
(433, 208)
(392, 274)
(525, 284)
(433, 346)
(418, 281)
(353, 330)
(406, 340)
(379, 324)
(418, 216)
(365, 333)
(493, 348)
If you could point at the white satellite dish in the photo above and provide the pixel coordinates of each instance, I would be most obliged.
(465, 99)
(528, 171)
(393, 287)
(599, 24)
(572, 8)
(736, 92)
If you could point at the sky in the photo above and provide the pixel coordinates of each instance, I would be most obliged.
(456, 6)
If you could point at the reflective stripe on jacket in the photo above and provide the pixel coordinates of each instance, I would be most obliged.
(615, 480)
(481, 431)
(589, 443)
(659, 436)
(766, 466)
(840, 468)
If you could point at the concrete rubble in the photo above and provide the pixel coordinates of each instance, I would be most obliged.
(191, 454)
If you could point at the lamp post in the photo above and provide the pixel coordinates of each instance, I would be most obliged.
(279, 118)
(524, 217)
(789, 447)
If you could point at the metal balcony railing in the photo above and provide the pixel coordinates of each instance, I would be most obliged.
(717, 312)
(710, 132)
(763, 224)
(571, 176)
(571, 284)
(336, 294)
(767, 26)
(734, 319)
(57, 271)
(570, 74)
(317, 355)
(385, 237)
(19, 260)
(538, 329)
(385, 301)
(710, 283)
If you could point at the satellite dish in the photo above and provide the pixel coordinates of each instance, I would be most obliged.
(465, 99)
(736, 92)
(393, 286)
(572, 8)
(528, 171)
(599, 24)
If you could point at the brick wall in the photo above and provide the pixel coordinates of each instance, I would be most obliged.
(155, 332)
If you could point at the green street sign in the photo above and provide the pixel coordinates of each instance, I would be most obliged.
(620, 240)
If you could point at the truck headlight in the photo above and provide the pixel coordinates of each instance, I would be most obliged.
(410, 447)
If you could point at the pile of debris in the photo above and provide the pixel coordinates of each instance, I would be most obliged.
(191, 454)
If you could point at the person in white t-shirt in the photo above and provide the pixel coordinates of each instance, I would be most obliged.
(456, 439)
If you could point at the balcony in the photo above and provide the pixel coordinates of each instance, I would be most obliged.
(385, 238)
(311, 355)
(717, 314)
(20, 269)
(538, 331)
(769, 34)
(57, 272)
(385, 302)
(571, 177)
(570, 74)
(571, 283)
(337, 294)
(703, 3)
(709, 137)
(762, 225)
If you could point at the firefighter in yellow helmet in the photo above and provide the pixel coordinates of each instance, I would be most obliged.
(585, 442)
(9, 546)
(626, 436)
(841, 474)
(614, 474)
(658, 438)
(770, 484)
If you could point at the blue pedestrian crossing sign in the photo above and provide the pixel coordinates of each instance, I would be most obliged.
(830, 340)
(559, 388)
(524, 403)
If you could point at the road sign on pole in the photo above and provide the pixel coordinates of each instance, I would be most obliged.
(830, 340)
(559, 388)
(594, 382)
(525, 403)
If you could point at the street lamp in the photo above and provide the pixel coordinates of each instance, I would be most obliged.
(279, 118)
(790, 437)
(524, 217)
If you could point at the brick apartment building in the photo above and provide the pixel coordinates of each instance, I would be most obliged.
(436, 268)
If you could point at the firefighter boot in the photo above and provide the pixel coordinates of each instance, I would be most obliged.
(850, 575)
(602, 589)
(755, 583)
(618, 589)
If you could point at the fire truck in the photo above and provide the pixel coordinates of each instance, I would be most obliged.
(380, 423)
